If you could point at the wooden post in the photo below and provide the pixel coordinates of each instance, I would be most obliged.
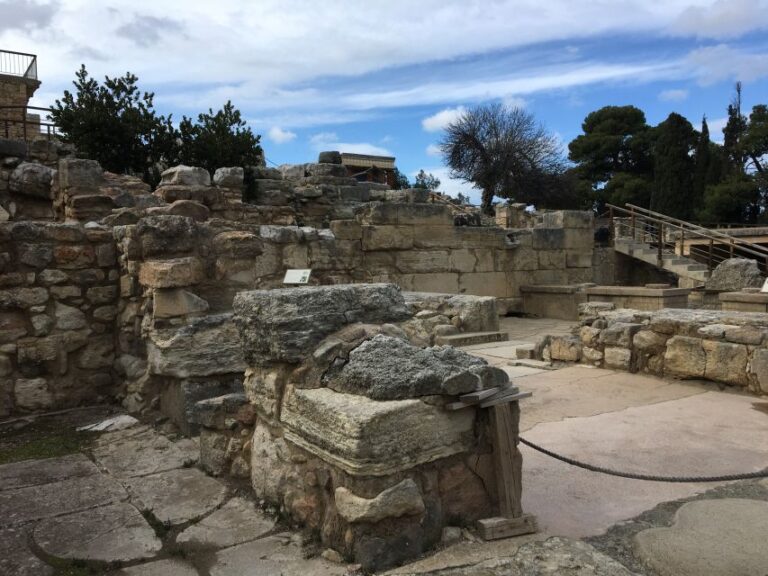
(659, 257)
(632, 224)
(505, 424)
(731, 247)
(711, 246)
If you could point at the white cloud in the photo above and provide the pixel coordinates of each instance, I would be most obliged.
(673, 95)
(433, 150)
(280, 136)
(439, 121)
(330, 141)
(722, 62)
(722, 19)
(514, 102)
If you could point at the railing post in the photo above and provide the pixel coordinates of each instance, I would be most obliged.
(659, 257)
(632, 213)
(731, 247)
(711, 247)
(611, 224)
(682, 241)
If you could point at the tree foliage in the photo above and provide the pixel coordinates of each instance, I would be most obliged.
(117, 125)
(504, 152)
(401, 181)
(673, 167)
(426, 181)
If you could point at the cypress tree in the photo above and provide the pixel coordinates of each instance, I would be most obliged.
(703, 160)
(673, 167)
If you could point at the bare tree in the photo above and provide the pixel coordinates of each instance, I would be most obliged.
(505, 152)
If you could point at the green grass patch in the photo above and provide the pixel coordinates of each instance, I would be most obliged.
(44, 446)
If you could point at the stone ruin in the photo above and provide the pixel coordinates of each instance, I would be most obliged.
(345, 426)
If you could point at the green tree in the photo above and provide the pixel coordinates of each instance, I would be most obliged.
(613, 156)
(218, 139)
(114, 123)
(703, 162)
(504, 152)
(401, 181)
(426, 181)
(675, 140)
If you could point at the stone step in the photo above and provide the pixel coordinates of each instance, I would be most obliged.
(525, 352)
(471, 338)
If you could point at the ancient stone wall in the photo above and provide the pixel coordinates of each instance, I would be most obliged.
(58, 301)
(726, 347)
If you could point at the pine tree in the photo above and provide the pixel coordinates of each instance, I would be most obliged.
(703, 160)
(673, 167)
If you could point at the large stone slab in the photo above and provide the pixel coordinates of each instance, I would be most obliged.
(270, 556)
(36, 472)
(204, 347)
(369, 437)
(710, 538)
(16, 558)
(236, 522)
(35, 502)
(113, 533)
(144, 453)
(177, 496)
(285, 325)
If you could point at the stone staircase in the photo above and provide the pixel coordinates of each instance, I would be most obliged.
(682, 266)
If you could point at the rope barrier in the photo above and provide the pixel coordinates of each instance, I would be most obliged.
(647, 477)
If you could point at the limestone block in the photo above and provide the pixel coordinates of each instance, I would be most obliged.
(230, 177)
(403, 499)
(437, 237)
(387, 368)
(371, 438)
(619, 334)
(462, 260)
(79, 176)
(264, 388)
(725, 362)
(98, 353)
(206, 195)
(759, 368)
(171, 273)
(68, 317)
(447, 283)
(649, 341)
(106, 255)
(37, 350)
(569, 219)
(618, 358)
(49, 277)
(35, 255)
(166, 235)
(32, 180)
(592, 355)
(745, 335)
(237, 244)
(685, 357)
(13, 326)
(32, 394)
(204, 347)
(286, 324)
(589, 336)
(524, 258)
(170, 302)
(734, 274)
(185, 176)
(578, 259)
(422, 261)
(236, 271)
(387, 237)
(565, 348)
(548, 238)
(189, 208)
(551, 259)
(484, 284)
(579, 239)
(68, 256)
(346, 229)
(486, 260)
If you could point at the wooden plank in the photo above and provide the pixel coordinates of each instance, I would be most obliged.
(506, 399)
(505, 419)
(495, 528)
(475, 397)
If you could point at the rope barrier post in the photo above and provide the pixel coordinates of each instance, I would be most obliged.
(505, 425)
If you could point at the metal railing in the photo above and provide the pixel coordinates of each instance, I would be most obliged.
(18, 64)
(17, 123)
(672, 237)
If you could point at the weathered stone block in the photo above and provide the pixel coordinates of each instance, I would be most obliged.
(618, 358)
(79, 176)
(446, 282)
(205, 347)
(172, 273)
(171, 302)
(484, 284)
(685, 357)
(371, 438)
(230, 177)
(99, 352)
(565, 348)
(285, 325)
(420, 262)
(166, 235)
(402, 499)
(548, 239)
(346, 229)
(68, 256)
(725, 362)
(186, 176)
(32, 180)
(759, 368)
(619, 334)
(237, 244)
(387, 237)
(32, 394)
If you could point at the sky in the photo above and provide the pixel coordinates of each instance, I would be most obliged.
(386, 76)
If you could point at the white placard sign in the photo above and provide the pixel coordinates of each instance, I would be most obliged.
(296, 276)
(765, 286)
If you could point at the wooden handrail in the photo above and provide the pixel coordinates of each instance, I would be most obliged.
(657, 218)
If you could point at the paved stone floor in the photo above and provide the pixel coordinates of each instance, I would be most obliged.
(135, 504)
